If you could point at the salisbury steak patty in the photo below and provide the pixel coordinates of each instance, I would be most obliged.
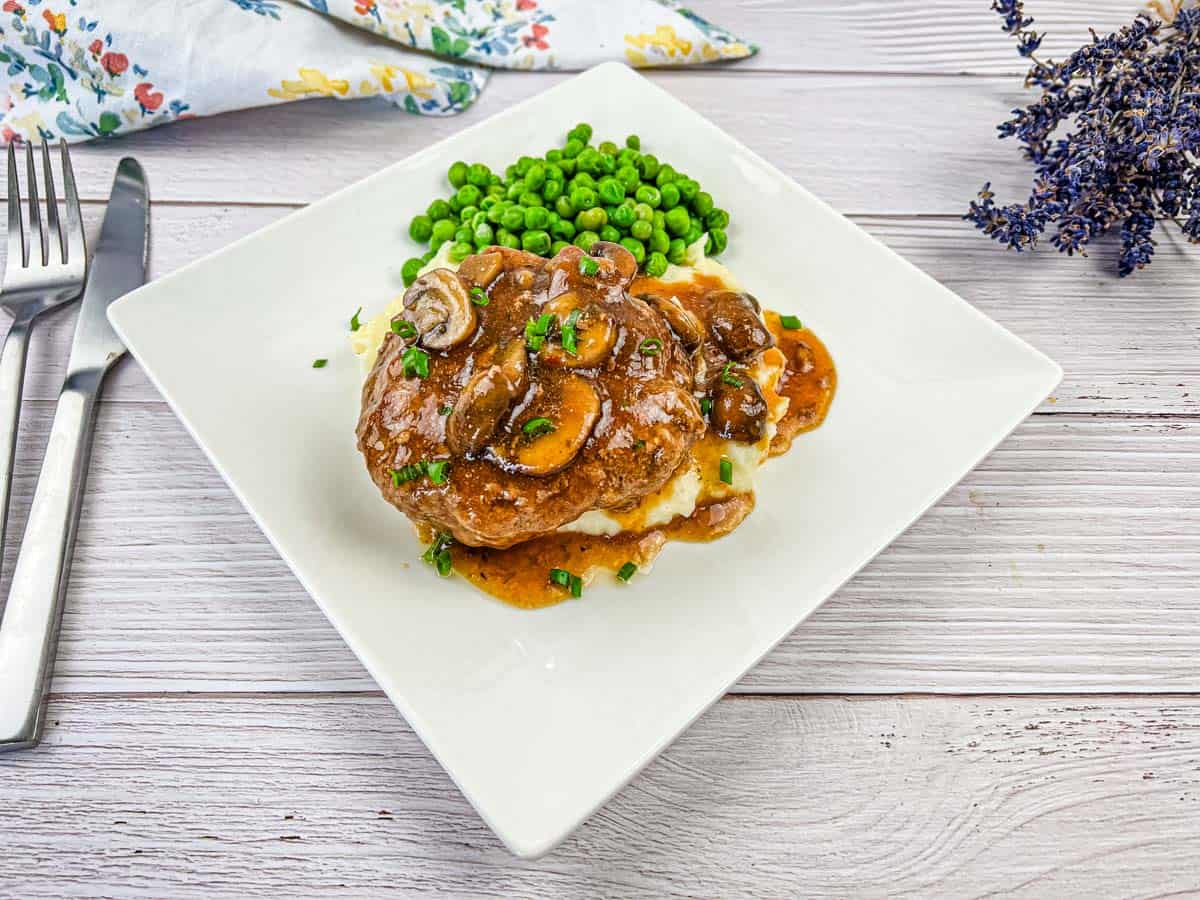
(550, 392)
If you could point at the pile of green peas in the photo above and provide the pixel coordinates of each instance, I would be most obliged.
(578, 194)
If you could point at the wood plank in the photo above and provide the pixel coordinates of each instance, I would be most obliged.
(909, 36)
(1128, 346)
(257, 797)
(866, 144)
(1068, 561)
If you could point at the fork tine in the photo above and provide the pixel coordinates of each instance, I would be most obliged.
(16, 230)
(37, 234)
(52, 227)
(76, 250)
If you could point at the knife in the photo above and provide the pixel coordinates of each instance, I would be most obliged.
(33, 614)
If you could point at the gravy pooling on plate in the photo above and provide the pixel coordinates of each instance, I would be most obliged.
(571, 417)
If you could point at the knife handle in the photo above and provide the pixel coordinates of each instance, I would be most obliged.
(29, 629)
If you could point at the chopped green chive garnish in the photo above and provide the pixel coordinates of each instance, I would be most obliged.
(705, 405)
(639, 444)
(726, 470)
(576, 586)
(791, 323)
(445, 410)
(588, 266)
(320, 363)
(404, 328)
(570, 335)
(650, 347)
(626, 571)
(538, 426)
(536, 331)
(438, 554)
(560, 577)
(728, 377)
(354, 323)
(478, 297)
(436, 471)
(415, 362)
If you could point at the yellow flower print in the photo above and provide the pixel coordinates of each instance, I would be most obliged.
(663, 39)
(416, 83)
(409, 17)
(312, 83)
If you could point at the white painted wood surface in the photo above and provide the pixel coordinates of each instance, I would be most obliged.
(1007, 701)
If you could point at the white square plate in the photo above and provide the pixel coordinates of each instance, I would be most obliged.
(541, 716)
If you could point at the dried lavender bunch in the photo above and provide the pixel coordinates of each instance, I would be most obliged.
(1129, 104)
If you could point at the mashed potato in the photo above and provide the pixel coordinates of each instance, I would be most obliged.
(695, 482)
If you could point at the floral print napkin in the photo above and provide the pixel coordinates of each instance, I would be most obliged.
(83, 69)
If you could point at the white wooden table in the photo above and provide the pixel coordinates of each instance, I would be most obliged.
(1007, 700)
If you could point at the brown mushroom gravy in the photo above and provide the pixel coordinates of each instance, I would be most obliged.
(556, 387)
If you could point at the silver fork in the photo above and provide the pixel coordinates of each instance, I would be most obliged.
(45, 269)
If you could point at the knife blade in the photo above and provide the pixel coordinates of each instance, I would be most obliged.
(118, 266)
(33, 613)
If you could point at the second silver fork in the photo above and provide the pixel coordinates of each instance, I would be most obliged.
(46, 268)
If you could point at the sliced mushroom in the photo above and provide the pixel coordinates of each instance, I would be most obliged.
(595, 333)
(622, 259)
(735, 323)
(440, 308)
(572, 419)
(482, 268)
(739, 413)
(685, 325)
(486, 400)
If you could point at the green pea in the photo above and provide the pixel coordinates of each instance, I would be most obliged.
(589, 161)
(648, 167)
(469, 195)
(465, 214)
(629, 178)
(633, 142)
(591, 219)
(506, 238)
(514, 190)
(488, 202)
(443, 229)
(583, 179)
(688, 190)
(677, 253)
(703, 204)
(484, 235)
(524, 164)
(462, 235)
(694, 233)
(455, 204)
(513, 218)
(461, 250)
(585, 239)
(627, 157)
(480, 218)
(427, 256)
(562, 230)
(643, 211)
(636, 248)
(558, 246)
(670, 196)
(535, 177)
(565, 208)
(581, 132)
(457, 176)
(420, 229)
(717, 218)
(493, 179)
(438, 209)
(536, 242)
(623, 216)
(435, 244)
(555, 173)
(479, 175)
(610, 190)
(510, 174)
(659, 220)
(553, 156)
(551, 216)
(666, 174)
(529, 198)
(608, 148)
(494, 213)
(409, 270)
(677, 221)
(648, 195)
(495, 190)
(660, 241)
(552, 190)
(641, 229)
(610, 234)
(583, 198)
(717, 241)
(568, 166)
(656, 265)
(536, 218)
(608, 164)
